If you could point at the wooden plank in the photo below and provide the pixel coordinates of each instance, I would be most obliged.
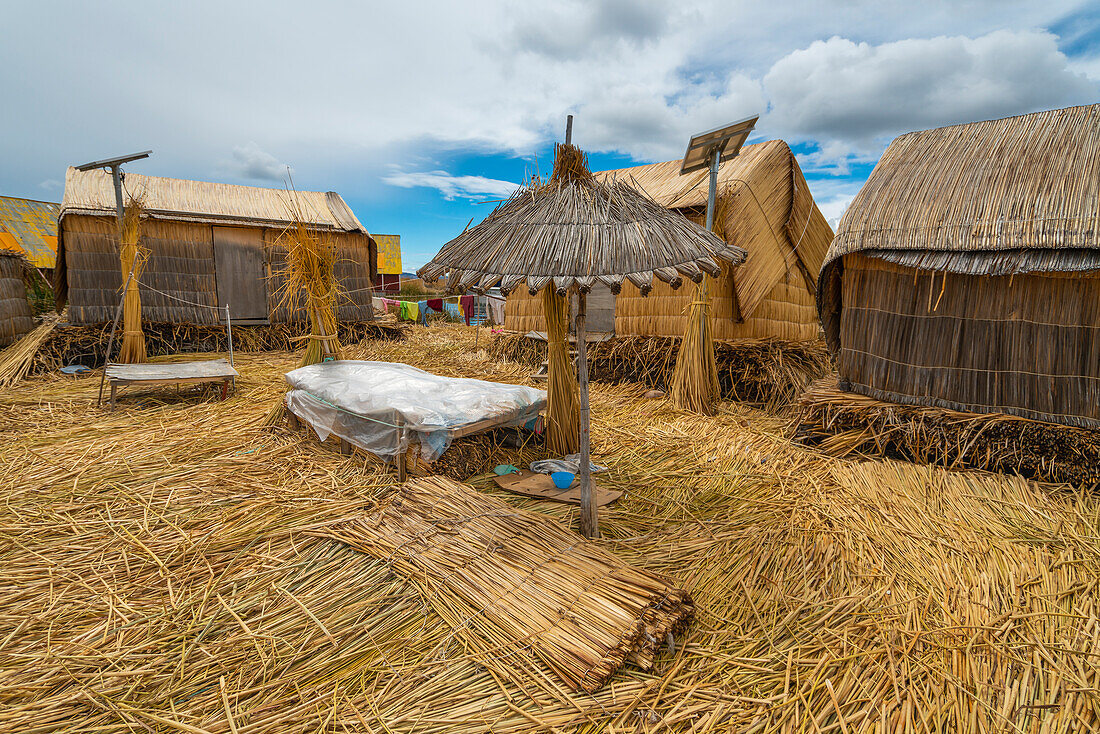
(541, 486)
(240, 268)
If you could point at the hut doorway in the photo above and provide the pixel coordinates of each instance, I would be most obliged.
(600, 311)
(239, 268)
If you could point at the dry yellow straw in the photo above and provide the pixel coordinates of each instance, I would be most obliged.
(562, 415)
(309, 282)
(695, 378)
(132, 257)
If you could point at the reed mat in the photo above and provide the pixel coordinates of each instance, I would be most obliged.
(844, 423)
(160, 571)
(515, 584)
(767, 372)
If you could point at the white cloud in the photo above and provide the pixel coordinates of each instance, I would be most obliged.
(476, 188)
(51, 184)
(252, 161)
(851, 94)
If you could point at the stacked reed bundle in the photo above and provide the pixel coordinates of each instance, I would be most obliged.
(770, 372)
(509, 581)
(844, 423)
(563, 405)
(132, 257)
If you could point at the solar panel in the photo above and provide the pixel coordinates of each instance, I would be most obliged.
(728, 140)
(114, 161)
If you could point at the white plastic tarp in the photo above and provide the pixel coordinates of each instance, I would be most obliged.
(382, 406)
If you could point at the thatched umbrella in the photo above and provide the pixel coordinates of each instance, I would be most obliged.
(569, 234)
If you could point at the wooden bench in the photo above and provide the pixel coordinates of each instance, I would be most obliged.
(171, 373)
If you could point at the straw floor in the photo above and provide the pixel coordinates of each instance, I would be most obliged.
(844, 423)
(161, 571)
(768, 372)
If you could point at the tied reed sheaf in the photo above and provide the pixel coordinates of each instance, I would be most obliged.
(18, 358)
(844, 423)
(563, 402)
(511, 582)
(308, 282)
(132, 257)
(161, 573)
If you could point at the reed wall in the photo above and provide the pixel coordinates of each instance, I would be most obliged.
(16, 317)
(182, 265)
(1024, 345)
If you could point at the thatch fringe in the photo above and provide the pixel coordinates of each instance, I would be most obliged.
(87, 345)
(772, 372)
(844, 423)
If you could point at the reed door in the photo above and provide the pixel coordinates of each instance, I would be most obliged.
(239, 265)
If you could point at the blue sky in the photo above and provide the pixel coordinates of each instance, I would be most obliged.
(421, 113)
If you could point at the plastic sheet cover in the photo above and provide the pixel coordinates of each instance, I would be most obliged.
(383, 406)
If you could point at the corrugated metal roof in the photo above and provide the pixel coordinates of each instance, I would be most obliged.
(92, 192)
(29, 227)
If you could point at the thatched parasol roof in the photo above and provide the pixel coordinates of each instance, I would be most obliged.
(577, 230)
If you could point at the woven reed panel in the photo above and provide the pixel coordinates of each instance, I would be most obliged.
(1025, 345)
(16, 317)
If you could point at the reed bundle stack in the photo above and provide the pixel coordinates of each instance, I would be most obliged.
(132, 257)
(162, 573)
(770, 372)
(511, 581)
(844, 423)
(563, 405)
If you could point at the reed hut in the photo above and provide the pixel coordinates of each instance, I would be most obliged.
(210, 244)
(965, 277)
(763, 316)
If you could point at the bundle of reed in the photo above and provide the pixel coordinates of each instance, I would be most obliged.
(477, 454)
(843, 423)
(133, 257)
(309, 282)
(509, 581)
(695, 377)
(17, 359)
(563, 404)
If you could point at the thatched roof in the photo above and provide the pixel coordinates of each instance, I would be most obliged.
(92, 192)
(577, 230)
(764, 207)
(1025, 187)
(29, 227)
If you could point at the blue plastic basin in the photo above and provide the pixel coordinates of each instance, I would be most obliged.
(562, 479)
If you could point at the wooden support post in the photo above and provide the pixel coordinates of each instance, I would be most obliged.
(402, 468)
(291, 420)
(590, 524)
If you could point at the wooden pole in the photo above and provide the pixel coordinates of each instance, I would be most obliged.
(590, 523)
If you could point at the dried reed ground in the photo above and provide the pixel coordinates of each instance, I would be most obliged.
(154, 577)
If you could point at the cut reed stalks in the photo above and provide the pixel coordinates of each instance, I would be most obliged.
(563, 404)
(695, 377)
(132, 256)
(17, 359)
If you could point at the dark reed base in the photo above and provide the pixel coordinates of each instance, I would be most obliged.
(87, 345)
(769, 372)
(844, 423)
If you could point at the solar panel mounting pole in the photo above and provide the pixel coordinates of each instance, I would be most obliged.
(114, 165)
